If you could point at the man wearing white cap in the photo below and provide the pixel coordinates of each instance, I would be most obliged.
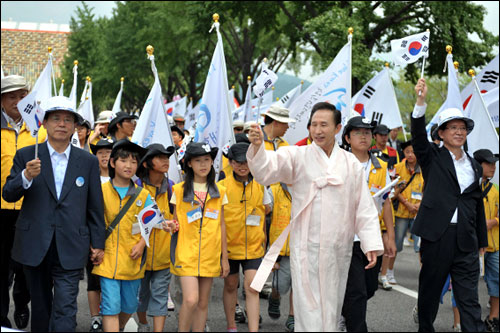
(62, 217)
(331, 202)
(451, 220)
(15, 135)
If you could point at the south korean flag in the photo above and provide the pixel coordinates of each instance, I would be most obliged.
(409, 49)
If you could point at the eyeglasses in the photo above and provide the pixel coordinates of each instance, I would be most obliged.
(132, 121)
(361, 133)
(457, 129)
(57, 119)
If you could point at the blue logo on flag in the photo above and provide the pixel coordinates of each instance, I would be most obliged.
(340, 93)
(204, 118)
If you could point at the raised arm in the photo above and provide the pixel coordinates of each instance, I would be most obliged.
(421, 145)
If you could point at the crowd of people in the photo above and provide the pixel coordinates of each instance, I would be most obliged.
(303, 213)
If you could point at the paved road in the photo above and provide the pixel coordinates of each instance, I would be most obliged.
(388, 311)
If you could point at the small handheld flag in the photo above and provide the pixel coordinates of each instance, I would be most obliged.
(148, 218)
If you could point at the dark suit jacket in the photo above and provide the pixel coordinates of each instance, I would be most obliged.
(442, 195)
(76, 219)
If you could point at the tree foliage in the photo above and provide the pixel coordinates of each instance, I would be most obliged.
(288, 33)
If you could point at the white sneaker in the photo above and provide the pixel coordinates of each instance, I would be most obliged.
(415, 314)
(143, 328)
(170, 303)
(406, 242)
(390, 277)
(341, 324)
(457, 328)
(384, 282)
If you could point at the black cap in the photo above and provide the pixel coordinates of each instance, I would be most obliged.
(405, 144)
(102, 144)
(381, 129)
(128, 146)
(195, 149)
(485, 155)
(118, 118)
(178, 130)
(85, 123)
(153, 150)
(357, 122)
(241, 137)
(238, 152)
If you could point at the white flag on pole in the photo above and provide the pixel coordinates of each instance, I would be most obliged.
(177, 107)
(487, 80)
(86, 108)
(214, 125)
(290, 97)
(266, 79)
(332, 86)
(118, 100)
(152, 126)
(484, 135)
(377, 101)
(191, 115)
(491, 100)
(72, 94)
(245, 111)
(453, 99)
(409, 49)
(147, 219)
(84, 93)
(29, 107)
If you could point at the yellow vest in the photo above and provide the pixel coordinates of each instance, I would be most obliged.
(376, 181)
(416, 187)
(491, 212)
(198, 248)
(158, 256)
(11, 143)
(244, 241)
(280, 218)
(117, 263)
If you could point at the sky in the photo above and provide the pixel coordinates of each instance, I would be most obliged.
(60, 12)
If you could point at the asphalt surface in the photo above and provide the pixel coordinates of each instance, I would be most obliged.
(388, 311)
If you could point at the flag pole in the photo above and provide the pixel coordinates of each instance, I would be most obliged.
(52, 71)
(36, 137)
(149, 50)
(392, 86)
(421, 74)
(472, 73)
(350, 31)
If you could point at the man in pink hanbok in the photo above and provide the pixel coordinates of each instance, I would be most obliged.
(331, 202)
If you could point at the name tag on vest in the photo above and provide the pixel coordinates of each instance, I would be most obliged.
(416, 195)
(212, 213)
(194, 215)
(253, 220)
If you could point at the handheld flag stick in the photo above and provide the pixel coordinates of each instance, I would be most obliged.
(36, 138)
(149, 50)
(350, 31)
(472, 73)
(421, 73)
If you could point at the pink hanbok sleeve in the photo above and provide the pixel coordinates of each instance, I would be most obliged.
(270, 167)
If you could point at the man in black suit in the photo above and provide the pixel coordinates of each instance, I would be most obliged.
(451, 220)
(61, 218)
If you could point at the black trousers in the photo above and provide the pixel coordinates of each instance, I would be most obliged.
(361, 286)
(11, 270)
(53, 311)
(439, 259)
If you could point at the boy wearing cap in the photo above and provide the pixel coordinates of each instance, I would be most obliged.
(102, 150)
(122, 268)
(83, 132)
(153, 293)
(177, 136)
(122, 126)
(362, 282)
(451, 221)
(61, 217)
(490, 199)
(15, 135)
(244, 216)
(381, 135)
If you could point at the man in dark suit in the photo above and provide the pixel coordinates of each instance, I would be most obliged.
(61, 218)
(451, 220)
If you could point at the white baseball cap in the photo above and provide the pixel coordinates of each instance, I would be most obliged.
(60, 103)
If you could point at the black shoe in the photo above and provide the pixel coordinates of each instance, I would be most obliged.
(5, 322)
(491, 324)
(96, 326)
(239, 316)
(21, 318)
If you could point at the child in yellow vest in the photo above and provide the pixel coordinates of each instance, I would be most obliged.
(199, 249)
(121, 270)
(153, 294)
(246, 238)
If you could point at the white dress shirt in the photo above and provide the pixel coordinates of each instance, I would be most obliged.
(463, 166)
(59, 165)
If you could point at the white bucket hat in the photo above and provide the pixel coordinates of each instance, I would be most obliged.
(60, 103)
(13, 83)
(279, 113)
(453, 114)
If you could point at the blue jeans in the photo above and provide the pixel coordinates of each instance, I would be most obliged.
(153, 294)
(491, 272)
(402, 226)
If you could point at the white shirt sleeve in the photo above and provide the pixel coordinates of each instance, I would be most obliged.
(26, 183)
(419, 111)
